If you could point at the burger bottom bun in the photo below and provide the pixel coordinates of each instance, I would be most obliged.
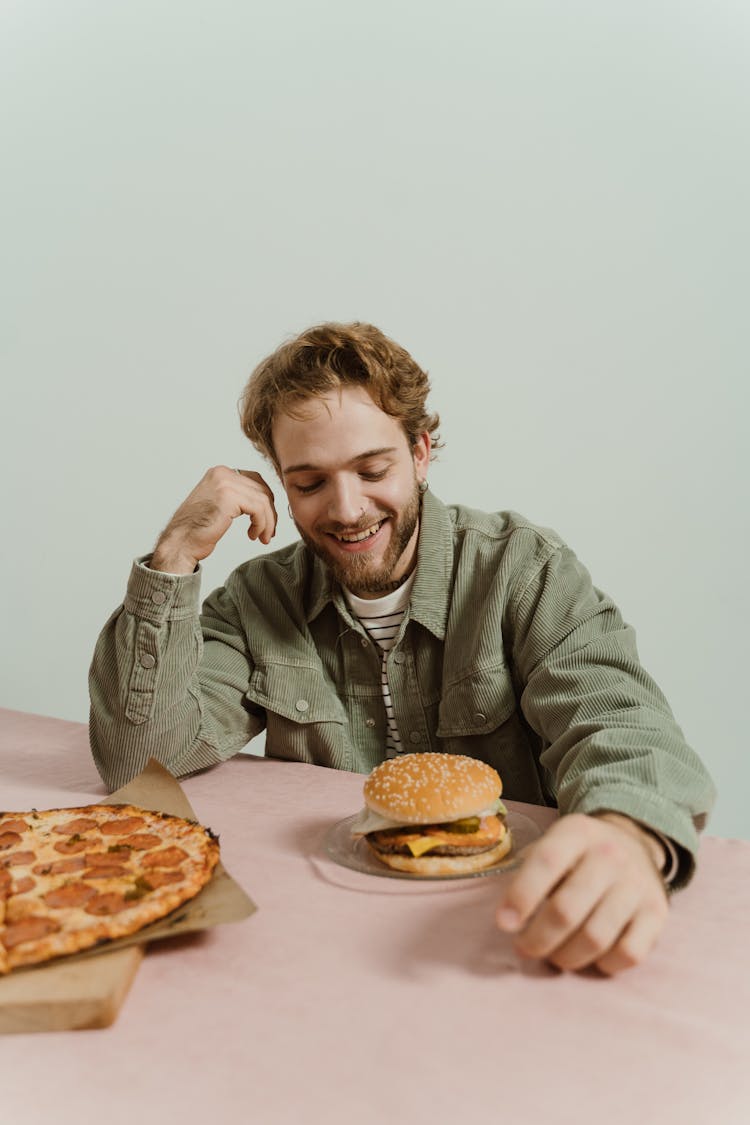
(446, 864)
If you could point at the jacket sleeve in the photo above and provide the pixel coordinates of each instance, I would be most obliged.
(610, 740)
(168, 684)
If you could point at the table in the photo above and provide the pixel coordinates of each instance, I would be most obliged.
(355, 1000)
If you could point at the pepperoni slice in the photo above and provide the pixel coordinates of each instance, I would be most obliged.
(9, 839)
(102, 872)
(123, 826)
(72, 846)
(28, 929)
(161, 878)
(15, 859)
(107, 904)
(121, 851)
(60, 866)
(71, 827)
(167, 857)
(105, 859)
(73, 894)
(23, 885)
(16, 825)
(143, 841)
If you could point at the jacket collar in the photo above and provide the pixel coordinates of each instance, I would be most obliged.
(432, 586)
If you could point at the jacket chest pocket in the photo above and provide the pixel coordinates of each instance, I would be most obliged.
(479, 716)
(476, 704)
(305, 719)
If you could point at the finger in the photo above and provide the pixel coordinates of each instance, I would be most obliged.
(257, 479)
(599, 931)
(271, 529)
(260, 527)
(259, 507)
(544, 865)
(635, 942)
(567, 907)
(258, 503)
(262, 522)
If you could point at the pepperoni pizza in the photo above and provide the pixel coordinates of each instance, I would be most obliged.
(72, 878)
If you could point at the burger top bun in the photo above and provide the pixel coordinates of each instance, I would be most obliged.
(431, 788)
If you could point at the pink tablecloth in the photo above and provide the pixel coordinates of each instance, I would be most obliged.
(351, 999)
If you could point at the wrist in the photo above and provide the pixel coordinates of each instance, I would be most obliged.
(648, 839)
(172, 559)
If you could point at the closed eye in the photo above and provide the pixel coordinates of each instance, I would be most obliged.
(373, 476)
(305, 489)
(308, 489)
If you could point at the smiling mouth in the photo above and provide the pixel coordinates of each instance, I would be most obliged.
(359, 536)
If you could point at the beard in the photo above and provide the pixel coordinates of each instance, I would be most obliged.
(361, 574)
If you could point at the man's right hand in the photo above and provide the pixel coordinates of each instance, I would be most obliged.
(200, 521)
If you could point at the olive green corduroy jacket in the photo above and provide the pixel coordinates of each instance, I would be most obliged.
(507, 653)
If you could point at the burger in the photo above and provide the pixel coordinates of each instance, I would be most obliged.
(434, 814)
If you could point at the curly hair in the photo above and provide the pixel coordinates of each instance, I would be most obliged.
(326, 358)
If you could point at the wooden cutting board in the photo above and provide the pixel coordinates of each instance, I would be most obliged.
(68, 995)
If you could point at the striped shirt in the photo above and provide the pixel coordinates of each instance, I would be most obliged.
(381, 618)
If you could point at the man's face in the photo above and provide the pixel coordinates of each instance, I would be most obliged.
(351, 477)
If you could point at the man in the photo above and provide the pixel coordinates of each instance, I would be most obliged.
(398, 624)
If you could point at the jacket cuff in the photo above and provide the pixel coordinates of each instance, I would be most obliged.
(155, 596)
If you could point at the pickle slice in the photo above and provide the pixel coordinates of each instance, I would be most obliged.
(466, 825)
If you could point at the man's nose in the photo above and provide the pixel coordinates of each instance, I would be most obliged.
(346, 503)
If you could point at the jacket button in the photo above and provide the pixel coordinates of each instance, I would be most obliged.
(147, 660)
(399, 658)
(369, 722)
(480, 718)
(158, 597)
(301, 704)
(365, 643)
(415, 736)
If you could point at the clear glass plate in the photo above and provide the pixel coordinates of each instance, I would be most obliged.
(356, 854)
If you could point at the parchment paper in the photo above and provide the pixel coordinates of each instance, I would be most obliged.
(221, 900)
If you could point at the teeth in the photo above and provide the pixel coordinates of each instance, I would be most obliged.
(360, 534)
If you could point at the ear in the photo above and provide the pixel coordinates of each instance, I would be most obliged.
(421, 454)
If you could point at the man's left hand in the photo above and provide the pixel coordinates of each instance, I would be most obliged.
(589, 892)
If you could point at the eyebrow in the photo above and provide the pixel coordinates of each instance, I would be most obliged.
(306, 467)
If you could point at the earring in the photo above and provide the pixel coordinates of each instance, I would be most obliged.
(423, 486)
(289, 509)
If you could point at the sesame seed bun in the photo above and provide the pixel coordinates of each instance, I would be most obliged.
(431, 788)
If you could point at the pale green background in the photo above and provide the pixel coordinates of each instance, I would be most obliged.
(547, 203)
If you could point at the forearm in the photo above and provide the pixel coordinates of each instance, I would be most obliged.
(154, 693)
(633, 763)
(610, 740)
(172, 557)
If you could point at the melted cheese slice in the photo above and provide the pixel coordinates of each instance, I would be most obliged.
(423, 844)
(369, 821)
